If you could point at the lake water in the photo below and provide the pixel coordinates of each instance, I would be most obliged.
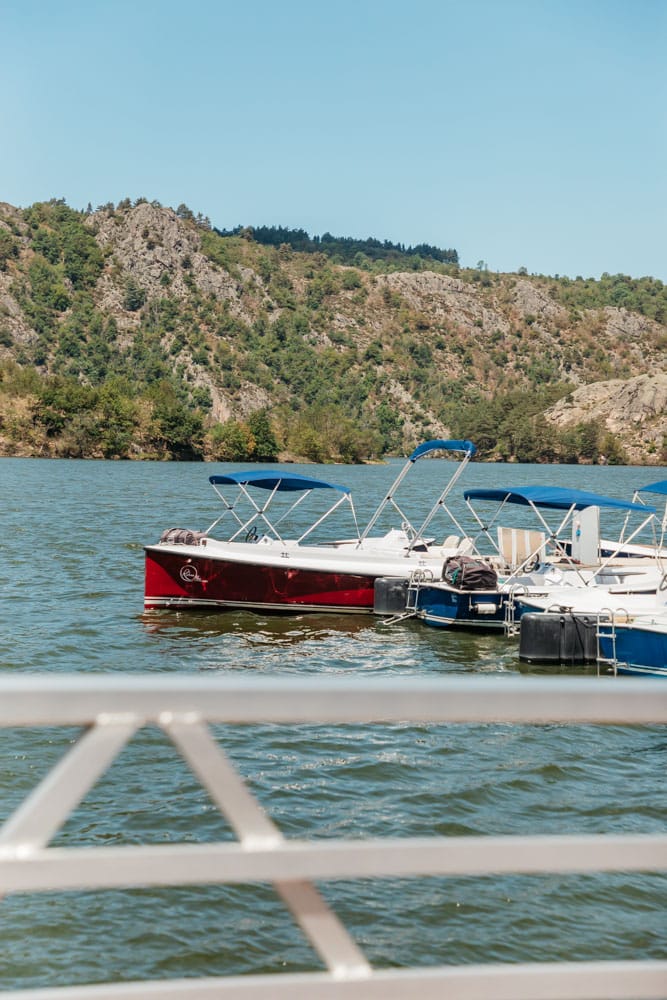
(71, 600)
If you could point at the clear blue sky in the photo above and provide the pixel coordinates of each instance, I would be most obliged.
(521, 132)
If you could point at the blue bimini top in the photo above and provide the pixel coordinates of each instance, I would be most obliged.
(554, 497)
(282, 482)
(438, 445)
(660, 487)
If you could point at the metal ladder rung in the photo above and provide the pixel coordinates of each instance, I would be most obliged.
(398, 618)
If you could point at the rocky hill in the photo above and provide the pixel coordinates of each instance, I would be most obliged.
(145, 320)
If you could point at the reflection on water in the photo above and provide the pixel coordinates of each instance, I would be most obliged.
(299, 643)
(280, 628)
(327, 643)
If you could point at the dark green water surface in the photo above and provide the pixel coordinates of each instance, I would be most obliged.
(71, 590)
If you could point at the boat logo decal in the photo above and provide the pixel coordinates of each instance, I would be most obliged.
(189, 574)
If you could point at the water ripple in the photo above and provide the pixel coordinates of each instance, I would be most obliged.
(74, 602)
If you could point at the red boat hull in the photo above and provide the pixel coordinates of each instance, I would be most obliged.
(173, 581)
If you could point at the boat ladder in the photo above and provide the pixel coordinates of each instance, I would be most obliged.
(609, 619)
(512, 626)
(417, 578)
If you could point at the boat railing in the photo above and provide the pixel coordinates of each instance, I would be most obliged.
(112, 708)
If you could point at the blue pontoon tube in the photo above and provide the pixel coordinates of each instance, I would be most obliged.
(275, 483)
(557, 498)
(416, 535)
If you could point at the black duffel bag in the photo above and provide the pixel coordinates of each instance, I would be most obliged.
(466, 573)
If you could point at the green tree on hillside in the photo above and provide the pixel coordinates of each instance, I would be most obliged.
(175, 428)
(232, 441)
(134, 296)
(9, 248)
(266, 446)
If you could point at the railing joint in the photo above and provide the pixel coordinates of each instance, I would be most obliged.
(118, 719)
(167, 719)
(254, 843)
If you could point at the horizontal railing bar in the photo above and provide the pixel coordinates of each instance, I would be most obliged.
(536, 981)
(295, 860)
(74, 699)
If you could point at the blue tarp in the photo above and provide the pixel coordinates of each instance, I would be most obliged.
(282, 482)
(423, 449)
(554, 497)
(660, 487)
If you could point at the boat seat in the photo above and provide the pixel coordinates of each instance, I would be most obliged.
(464, 546)
(519, 545)
(450, 542)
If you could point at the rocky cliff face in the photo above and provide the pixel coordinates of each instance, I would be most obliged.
(635, 409)
(151, 244)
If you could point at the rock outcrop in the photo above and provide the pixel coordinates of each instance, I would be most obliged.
(153, 247)
(634, 409)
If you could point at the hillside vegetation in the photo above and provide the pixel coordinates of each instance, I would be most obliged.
(136, 331)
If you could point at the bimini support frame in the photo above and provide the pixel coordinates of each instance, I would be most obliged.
(568, 501)
(273, 482)
(660, 489)
(416, 535)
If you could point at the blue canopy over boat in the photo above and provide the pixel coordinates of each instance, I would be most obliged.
(282, 482)
(438, 445)
(554, 497)
(660, 487)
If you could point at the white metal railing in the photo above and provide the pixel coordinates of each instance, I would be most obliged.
(111, 708)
